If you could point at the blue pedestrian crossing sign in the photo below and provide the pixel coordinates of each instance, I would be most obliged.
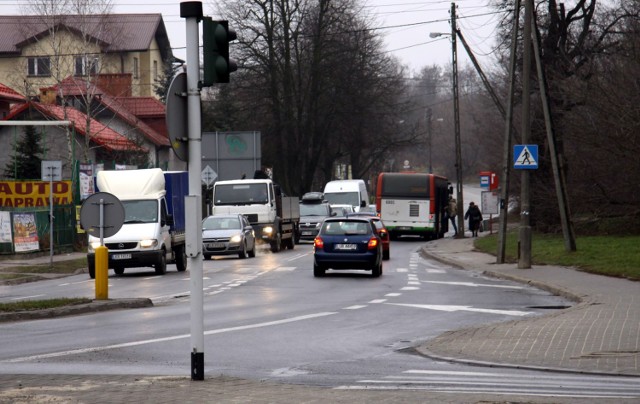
(525, 156)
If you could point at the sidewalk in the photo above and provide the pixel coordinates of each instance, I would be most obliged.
(600, 334)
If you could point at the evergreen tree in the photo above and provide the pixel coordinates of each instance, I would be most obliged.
(27, 161)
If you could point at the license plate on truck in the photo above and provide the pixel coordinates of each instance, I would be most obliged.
(121, 256)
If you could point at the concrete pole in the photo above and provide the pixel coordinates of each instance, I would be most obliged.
(192, 11)
(456, 119)
(506, 151)
(524, 243)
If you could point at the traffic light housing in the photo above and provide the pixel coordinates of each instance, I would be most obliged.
(216, 36)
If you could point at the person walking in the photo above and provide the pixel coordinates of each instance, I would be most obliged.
(475, 217)
(452, 211)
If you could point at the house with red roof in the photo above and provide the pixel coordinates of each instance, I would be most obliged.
(141, 119)
(9, 97)
(85, 139)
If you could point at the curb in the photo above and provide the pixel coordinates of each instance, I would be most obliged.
(92, 307)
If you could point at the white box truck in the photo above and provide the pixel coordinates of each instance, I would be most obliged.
(153, 233)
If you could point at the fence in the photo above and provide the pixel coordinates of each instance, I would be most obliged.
(28, 229)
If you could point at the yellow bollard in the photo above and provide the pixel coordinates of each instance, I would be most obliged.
(102, 273)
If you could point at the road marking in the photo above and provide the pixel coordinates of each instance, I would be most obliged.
(298, 256)
(285, 268)
(175, 337)
(475, 285)
(401, 270)
(393, 294)
(356, 307)
(413, 283)
(378, 301)
(464, 308)
(435, 271)
(410, 288)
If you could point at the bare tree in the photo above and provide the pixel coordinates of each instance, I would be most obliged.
(314, 81)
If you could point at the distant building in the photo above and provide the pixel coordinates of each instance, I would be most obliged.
(41, 51)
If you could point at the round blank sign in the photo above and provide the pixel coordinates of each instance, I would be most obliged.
(113, 216)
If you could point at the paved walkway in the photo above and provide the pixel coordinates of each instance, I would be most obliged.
(599, 334)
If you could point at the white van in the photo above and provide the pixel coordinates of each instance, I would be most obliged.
(347, 192)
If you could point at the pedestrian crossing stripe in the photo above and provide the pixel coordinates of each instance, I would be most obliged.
(527, 156)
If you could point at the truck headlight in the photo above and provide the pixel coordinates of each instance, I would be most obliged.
(267, 230)
(236, 239)
(148, 243)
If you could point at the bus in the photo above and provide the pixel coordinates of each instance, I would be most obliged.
(413, 204)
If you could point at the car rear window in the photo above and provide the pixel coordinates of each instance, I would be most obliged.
(340, 228)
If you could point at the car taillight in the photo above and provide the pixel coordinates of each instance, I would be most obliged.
(318, 243)
(373, 243)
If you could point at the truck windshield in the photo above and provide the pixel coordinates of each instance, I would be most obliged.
(240, 194)
(343, 198)
(313, 209)
(145, 211)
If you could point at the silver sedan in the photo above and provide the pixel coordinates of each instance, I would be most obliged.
(228, 235)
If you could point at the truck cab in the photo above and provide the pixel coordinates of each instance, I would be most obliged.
(274, 217)
(313, 210)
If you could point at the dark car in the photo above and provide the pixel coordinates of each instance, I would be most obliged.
(228, 235)
(347, 243)
(382, 231)
(313, 210)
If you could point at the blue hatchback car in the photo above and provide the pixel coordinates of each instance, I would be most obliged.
(347, 243)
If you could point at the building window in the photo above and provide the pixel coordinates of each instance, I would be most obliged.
(155, 70)
(87, 65)
(135, 68)
(39, 66)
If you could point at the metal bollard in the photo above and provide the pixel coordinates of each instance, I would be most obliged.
(102, 273)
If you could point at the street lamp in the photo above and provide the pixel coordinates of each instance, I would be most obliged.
(456, 118)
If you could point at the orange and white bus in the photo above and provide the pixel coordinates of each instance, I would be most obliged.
(413, 204)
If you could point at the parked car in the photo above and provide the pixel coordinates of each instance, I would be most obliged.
(313, 210)
(382, 231)
(228, 235)
(347, 243)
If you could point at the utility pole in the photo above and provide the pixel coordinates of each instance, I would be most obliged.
(456, 119)
(556, 165)
(524, 242)
(506, 151)
(429, 138)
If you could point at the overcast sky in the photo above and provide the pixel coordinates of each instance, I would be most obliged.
(404, 24)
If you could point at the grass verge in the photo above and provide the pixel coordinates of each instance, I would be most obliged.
(29, 305)
(617, 256)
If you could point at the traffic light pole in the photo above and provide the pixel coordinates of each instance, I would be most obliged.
(192, 11)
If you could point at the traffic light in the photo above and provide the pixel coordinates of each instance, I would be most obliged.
(216, 36)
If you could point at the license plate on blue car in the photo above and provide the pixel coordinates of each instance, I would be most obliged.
(347, 247)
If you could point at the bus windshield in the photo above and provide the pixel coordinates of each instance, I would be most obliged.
(411, 186)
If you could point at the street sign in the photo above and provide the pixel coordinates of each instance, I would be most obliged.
(51, 170)
(489, 202)
(525, 156)
(208, 176)
(111, 219)
(177, 120)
